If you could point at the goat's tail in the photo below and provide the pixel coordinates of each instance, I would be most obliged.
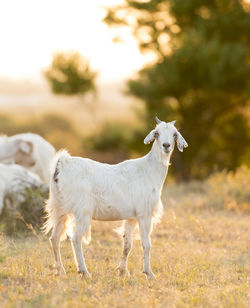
(58, 162)
(51, 218)
(54, 207)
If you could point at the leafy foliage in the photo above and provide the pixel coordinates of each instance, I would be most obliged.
(27, 216)
(70, 74)
(201, 76)
(112, 136)
(114, 142)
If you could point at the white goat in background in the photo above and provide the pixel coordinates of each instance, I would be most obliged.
(30, 151)
(14, 180)
(82, 189)
(16, 151)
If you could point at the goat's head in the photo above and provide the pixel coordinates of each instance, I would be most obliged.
(166, 135)
(24, 153)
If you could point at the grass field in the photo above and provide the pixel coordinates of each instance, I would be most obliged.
(200, 256)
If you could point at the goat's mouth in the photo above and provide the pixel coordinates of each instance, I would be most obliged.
(166, 151)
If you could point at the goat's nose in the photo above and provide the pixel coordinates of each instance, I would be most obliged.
(166, 145)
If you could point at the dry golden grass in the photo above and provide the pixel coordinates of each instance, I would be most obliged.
(200, 256)
(199, 260)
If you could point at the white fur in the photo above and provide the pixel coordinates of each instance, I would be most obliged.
(14, 179)
(82, 189)
(30, 151)
(12, 150)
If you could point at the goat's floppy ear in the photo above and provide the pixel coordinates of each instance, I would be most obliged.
(181, 142)
(26, 146)
(151, 136)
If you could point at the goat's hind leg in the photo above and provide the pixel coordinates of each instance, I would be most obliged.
(82, 228)
(129, 226)
(58, 231)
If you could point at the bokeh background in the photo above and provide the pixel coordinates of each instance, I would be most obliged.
(90, 76)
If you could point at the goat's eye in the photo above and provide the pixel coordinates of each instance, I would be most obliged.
(175, 135)
(156, 134)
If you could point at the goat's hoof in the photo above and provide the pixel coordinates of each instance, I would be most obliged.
(60, 271)
(84, 274)
(149, 275)
(122, 271)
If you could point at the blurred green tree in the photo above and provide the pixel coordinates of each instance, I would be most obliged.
(70, 73)
(200, 75)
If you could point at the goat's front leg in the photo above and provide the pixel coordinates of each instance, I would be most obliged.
(129, 226)
(82, 227)
(145, 226)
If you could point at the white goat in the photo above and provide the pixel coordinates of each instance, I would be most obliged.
(14, 179)
(31, 151)
(16, 150)
(82, 189)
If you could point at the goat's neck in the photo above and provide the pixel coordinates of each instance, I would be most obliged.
(158, 162)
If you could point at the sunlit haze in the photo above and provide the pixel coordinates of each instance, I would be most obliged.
(31, 31)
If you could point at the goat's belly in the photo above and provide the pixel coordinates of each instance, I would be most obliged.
(111, 213)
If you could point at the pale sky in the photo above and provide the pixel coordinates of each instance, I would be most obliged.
(31, 30)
